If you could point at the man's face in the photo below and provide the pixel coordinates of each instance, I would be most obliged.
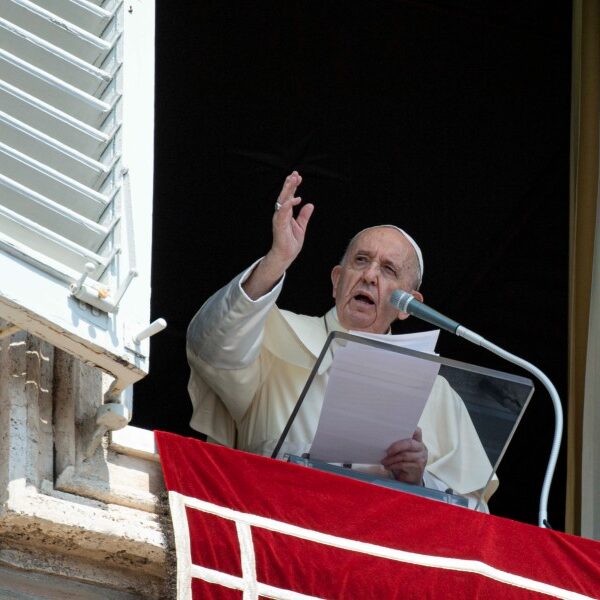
(378, 262)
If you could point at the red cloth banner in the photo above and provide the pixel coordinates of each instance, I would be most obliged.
(252, 527)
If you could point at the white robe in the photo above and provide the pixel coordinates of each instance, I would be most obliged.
(249, 363)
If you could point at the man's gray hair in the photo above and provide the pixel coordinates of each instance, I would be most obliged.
(409, 239)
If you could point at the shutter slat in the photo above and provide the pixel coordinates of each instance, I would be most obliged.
(110, 5)
(53, 122)
(56, 30)
(28, 233)
(69, 161)
(43, 179)
(53, 59)
(57, 93)
(51, 215)
(88, 16)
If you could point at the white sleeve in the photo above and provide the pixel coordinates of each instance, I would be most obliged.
(227, 331)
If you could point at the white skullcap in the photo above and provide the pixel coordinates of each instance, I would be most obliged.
(410, 240)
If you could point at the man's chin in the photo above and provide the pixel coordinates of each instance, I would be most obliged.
(358, 322)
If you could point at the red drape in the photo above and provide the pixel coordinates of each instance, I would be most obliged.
(245, 522)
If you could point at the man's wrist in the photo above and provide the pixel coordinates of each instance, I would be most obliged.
(263, 279)
(274, 266)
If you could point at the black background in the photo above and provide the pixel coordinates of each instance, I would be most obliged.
(449, 119)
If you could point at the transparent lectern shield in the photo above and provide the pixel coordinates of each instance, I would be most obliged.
(362, 395)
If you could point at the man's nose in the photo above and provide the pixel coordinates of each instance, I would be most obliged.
(371, 273)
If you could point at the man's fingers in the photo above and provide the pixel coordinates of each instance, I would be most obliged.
(285, 211)
(404, 458)
(404, 462)
(409, 444)
(402, 446)
(304, 216)
(290, 185)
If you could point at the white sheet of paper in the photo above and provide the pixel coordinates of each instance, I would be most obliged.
(374, 397)
(422, 341)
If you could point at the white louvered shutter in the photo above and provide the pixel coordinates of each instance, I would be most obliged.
(76, 167)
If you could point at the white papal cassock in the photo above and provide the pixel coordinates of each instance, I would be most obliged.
(250, 361)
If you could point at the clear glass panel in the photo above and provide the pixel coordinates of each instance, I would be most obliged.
(468, 415)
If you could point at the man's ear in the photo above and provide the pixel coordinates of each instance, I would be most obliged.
(404, 315)
(335, 277)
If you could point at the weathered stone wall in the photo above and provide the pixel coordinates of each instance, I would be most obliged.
(72, 525)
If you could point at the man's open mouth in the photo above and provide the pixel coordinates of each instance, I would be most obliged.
(364, 299)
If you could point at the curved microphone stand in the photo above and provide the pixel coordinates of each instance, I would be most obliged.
(408, 303)
(473, 337)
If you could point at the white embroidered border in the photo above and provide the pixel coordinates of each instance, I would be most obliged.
(247, 557)
(248, 583)
(237, 583)
(440, 562)
(181, 532)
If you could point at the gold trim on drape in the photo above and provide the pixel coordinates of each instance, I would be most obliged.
(583, 191)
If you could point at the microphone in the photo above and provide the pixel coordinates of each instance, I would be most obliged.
(408, 303)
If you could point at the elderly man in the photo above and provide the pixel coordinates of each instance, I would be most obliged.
(249, 360)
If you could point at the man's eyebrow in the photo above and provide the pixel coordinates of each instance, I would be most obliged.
(395, 266)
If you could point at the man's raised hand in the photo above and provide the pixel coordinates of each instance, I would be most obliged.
(289, 232)
(288, 239)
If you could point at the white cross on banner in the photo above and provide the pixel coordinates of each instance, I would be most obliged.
(249, 527)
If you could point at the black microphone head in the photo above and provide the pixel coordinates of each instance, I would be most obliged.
(401, 299)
